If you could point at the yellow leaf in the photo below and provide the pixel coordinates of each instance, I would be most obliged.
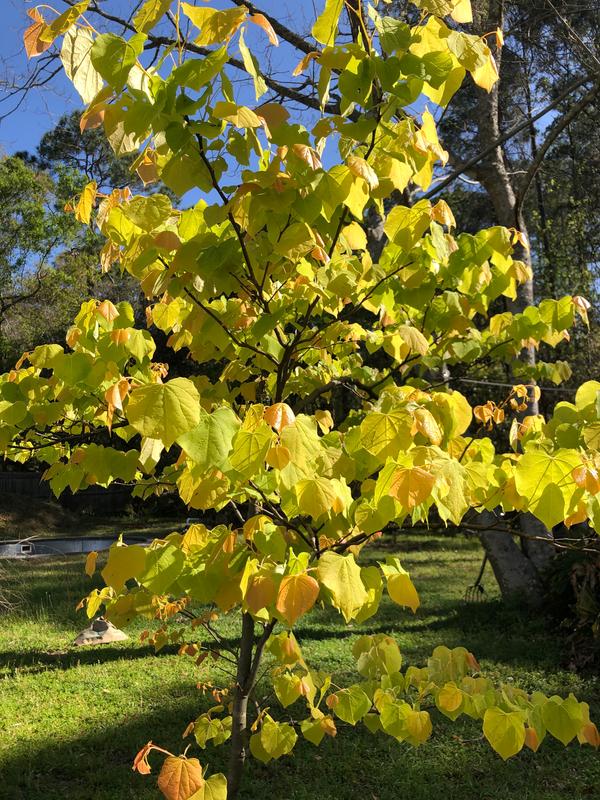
(402, 591)
(278, 456)
(83, 209)
(462, 11)
(319, 496)
(180, 777)
(341, 575)
(355, 236)
(297, 595)
(240, 116)
(326, 25)
(123, 564)
(90, 563)
(215, 26)
(359, 167)
(418, 727)
(324, 420)
(505, 731)
(425, 423)
(450, 698)
(487, 75)
(442, 213)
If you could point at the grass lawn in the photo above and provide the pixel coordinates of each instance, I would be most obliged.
(71, 719)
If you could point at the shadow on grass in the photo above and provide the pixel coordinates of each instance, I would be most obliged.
(41, 660)
(455, 764)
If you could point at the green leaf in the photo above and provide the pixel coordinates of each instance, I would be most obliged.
(164, 411)
(209, 444)
(163, 567)
(250, 448)
(376, 655)
(114, 57)
(251, 65)
(149, 14)
(215, 788)
(274, 740)
(341, 576)
(505, 731)
(148, 213)
(350, 705)
(198, 72)
(544, 480)
(562, 718)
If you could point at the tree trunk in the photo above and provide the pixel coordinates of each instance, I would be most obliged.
(516, 574)
(517, 570)
(239, 730)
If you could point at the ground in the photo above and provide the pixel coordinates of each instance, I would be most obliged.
(72, 719)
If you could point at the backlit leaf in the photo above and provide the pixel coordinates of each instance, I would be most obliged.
(340, 574)
(164, 411)
(180, 777)
(297, 595)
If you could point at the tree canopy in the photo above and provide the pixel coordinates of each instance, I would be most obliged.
(317, 408)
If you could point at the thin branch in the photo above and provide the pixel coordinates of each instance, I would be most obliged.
(505, 137)
(229, 332)
(552, 136)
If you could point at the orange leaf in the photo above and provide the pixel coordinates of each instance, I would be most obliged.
(34, 45)
(120, 335)
(168, 240)
(278, 457)
(108, 310)
(299, 69)
(279, 415)
(531, 739)
(273, 114)
(92, 118)
(308, 155)
(261, 592)
(263, 22)
(411, 487)
(140, 762)
(586, 478)
(90, 563)
(180, 777)
(590, 734)
(297, 595)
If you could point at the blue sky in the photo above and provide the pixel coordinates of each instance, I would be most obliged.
(40, 111)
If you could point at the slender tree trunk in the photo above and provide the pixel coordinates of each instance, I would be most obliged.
(239, 731)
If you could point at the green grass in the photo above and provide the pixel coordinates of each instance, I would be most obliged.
(71, 719)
